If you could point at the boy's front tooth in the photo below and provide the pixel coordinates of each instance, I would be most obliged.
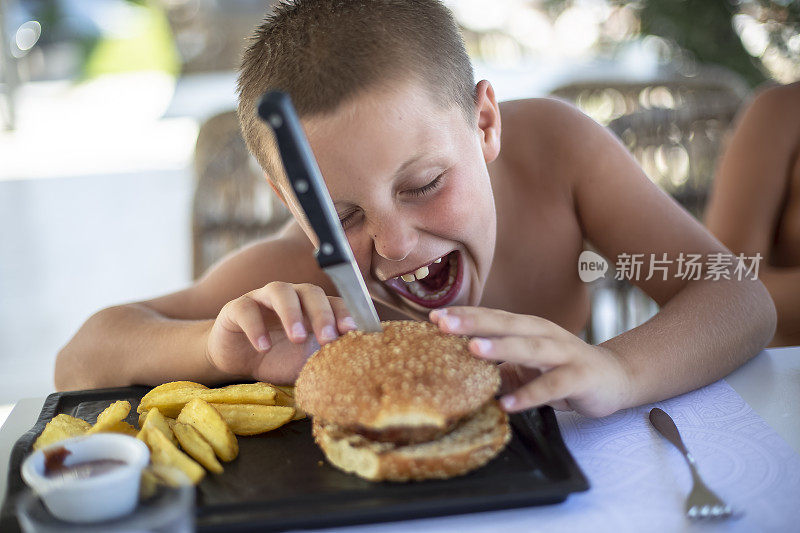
(421, 272)
(438, 260)
(408, 278)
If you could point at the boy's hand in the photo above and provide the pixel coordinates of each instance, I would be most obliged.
(265, 333)
(543, 363)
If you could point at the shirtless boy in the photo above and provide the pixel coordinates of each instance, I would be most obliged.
(410, 148)
(755, 204)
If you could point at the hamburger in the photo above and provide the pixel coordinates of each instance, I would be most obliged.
(408, 403)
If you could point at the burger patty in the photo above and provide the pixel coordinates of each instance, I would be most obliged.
(404, 435)
(396, 435)
(475, 440)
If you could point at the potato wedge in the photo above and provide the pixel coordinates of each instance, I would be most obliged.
(163, 452)
(170, 402)
(282, 397)
(210, 424)
(251, 419)
(122, 427)
(287, 389)
(195, 445)
(168, 475)
(148, 484)
(61, 427)
(158, 421)
(172, 385)
(111, 415)
(142, 418)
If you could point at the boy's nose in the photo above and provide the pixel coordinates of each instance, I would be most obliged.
(394, 241)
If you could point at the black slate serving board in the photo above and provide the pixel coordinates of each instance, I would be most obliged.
(281, 480)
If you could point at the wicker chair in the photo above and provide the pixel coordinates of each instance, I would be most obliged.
(674, 126)
(233, 204)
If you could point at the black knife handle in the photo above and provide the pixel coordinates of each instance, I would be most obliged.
(276, 109)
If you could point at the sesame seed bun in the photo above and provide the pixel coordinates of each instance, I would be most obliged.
(408, 376)
(473, 443)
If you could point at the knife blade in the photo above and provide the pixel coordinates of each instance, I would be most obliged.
(333, 254)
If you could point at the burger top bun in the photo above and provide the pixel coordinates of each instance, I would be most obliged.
(409, 375)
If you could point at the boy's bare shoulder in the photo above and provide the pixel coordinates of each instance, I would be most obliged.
(781, 94)
(545, 134)
(779, 105)
(546, 120)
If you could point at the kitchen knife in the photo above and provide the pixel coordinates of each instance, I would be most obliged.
(333, 254)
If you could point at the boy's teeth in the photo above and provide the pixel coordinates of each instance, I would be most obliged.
(419, 273)
(438, 260)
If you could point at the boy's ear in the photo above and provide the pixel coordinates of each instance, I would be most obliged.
(488, 114)
(278, 192)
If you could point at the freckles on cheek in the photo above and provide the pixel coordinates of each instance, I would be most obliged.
(459, 208)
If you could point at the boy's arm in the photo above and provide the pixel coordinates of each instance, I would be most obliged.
(166, 338)
(705, 328)
(750, 190)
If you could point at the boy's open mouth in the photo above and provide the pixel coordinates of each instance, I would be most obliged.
(433, 285)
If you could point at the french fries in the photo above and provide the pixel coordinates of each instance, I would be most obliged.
(156, 420)
(172, 385)
(244, 419)
(148, 484)
(171, 401)
(110, 417)
(285, 397)
(163, 452)
(209, 423)
(124, 428)
(286, 389)
(61, 427)
(195, 445)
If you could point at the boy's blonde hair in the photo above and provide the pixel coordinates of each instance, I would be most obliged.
(326, 52)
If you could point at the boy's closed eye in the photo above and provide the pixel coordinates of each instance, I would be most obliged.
(350, 218)
(425, 189)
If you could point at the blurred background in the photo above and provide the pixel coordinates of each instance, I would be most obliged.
(123, 174)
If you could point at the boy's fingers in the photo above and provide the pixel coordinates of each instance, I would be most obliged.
(318, 310)
(514, 376)
(537, 352)
(282, 298)
(482, 321)
(551, 386)
(245, 314)
(344, 319)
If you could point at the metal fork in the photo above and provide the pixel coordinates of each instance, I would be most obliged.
(701, 502)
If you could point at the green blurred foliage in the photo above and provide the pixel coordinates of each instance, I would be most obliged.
(147, 46)
(703, 28)
(143, 40)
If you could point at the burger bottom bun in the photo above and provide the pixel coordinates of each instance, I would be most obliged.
(472, 444)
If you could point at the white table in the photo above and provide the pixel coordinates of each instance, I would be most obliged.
(769, 383)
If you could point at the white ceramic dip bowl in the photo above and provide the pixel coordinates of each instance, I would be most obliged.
(103, 496)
